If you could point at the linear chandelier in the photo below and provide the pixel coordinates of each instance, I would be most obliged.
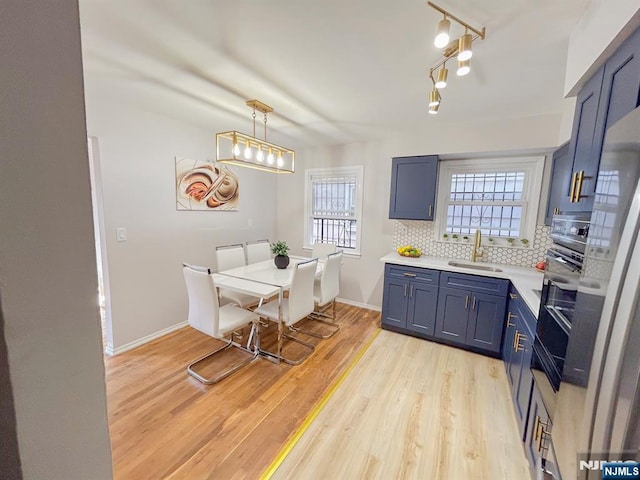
(461, 48)
(244, 150)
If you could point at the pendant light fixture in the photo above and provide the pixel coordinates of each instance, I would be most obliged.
(252, 154)
(461, 48)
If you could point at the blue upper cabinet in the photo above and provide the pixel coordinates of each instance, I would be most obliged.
(560, 181)
(584, 162)
(413, 187)
(609, 95)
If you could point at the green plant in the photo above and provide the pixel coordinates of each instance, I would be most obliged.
(510, 240)
(445, 236)
(490, 240)
(524, 241)
(465, 238)
(280, 248)
(454, 236)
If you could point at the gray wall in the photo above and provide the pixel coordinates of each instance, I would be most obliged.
(47, 260)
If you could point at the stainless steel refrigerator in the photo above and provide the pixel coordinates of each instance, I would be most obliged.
(597, 412)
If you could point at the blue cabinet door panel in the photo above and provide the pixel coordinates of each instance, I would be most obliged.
(413, 187)
(558, 199)
(423, 299)
(453, 314)
(394, 305)
(486, 321)
(523, 393)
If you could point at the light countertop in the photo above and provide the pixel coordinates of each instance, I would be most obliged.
(526, 280)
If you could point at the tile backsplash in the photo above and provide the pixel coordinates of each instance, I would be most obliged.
(420, 234)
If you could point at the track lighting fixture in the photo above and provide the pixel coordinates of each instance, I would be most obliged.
(434, 98)
(461, 48)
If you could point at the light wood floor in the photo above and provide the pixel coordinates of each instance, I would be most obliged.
(165, 424)
(413, 409)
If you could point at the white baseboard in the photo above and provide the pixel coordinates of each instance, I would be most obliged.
(359, 304)
(141, 341)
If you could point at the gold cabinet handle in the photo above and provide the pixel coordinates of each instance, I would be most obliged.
(430, 209)
(581, 178)
(542, 433)
(411, 290)
(407, 274)
(473, 303)
(574, 179)
(536, 426)
(404, 294)
(519, 336)
(515, 340)
(513, 296)
(556, 211)
(509, 317)
(466, 301)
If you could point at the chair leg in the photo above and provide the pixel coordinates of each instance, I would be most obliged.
(277, 357)
(252, 354)
(321, 317)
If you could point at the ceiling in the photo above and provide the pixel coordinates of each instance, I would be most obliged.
(335, 71)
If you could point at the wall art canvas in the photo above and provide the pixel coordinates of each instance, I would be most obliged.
(202, 185)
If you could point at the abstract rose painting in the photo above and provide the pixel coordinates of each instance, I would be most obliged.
(205, 186)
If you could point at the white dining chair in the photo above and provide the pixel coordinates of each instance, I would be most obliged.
(228, 257)
(295, 308)
(258, 251)
(206, 315)
(322, 250)
(325, 292)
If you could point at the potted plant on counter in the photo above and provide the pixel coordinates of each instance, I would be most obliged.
(281, 251)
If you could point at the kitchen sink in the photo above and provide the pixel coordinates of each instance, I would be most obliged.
(474, 266)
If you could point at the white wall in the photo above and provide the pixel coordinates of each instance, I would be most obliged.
(603, 27)
(48, 278)
(137, 150)
(361, 280)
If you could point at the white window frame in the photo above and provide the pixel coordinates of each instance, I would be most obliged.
(533, 168)
(358, 172)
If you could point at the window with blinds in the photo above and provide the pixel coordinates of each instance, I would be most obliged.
(333, 207)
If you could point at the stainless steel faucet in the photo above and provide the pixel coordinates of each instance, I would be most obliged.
(475, 254)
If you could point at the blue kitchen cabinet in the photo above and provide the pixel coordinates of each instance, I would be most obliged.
(471, 311)
(538, 428)
(558, 199)
(413, 187)
(611, 93)
(517, 352)
(584, 161)
(409, 299)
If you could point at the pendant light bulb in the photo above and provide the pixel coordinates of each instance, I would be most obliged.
(260, 154)
(247, 151)
(280, 160)
(434, 109)
(236, 148)
(270, 157)
(442, 33)
(441, 81)
(464, 47)
(434, 98)
(463, 68)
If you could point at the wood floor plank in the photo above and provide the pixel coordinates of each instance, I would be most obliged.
(165, 424)
(413, 409)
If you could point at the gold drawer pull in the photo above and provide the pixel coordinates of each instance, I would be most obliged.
(509, 317)
(513, 296)
(466, 301)
(572, 193)
(407, 274)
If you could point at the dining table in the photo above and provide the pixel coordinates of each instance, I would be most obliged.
(264, 280)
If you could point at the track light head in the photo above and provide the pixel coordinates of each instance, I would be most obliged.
(442, 33)
(443, 73)
(463, 67)
(464, 47)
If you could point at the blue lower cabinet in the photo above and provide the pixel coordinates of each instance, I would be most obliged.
(409, 299)
(470, 318)
(538, 428)
(421, 315)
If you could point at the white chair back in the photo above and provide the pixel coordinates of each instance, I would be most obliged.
(301, 292)
(330, 279)
(322, 250)
(230, 256)
(258, 251)
(204, 314)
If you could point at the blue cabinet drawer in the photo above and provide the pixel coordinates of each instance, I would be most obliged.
(425, 275)
(496, 286)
